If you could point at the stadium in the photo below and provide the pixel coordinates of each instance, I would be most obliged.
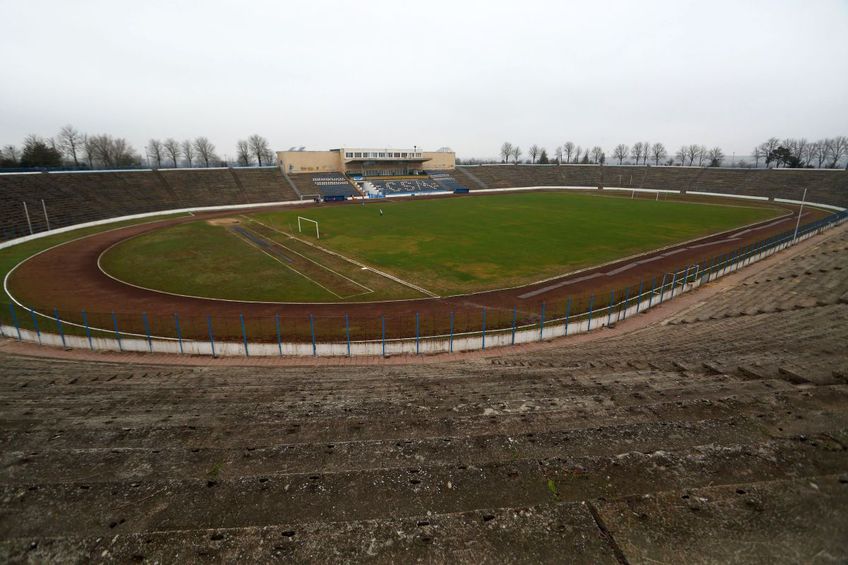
(367, 339)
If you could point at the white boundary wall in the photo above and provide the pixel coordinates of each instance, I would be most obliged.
(406, 346)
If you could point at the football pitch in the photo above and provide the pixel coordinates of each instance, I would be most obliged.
(402, 249)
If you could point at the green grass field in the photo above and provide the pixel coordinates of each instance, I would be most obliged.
(441, 246)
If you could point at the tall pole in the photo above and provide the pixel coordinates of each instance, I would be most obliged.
(46, 219)
(800, 211)
(29, 223)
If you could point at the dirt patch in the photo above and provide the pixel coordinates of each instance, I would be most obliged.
(223, 221)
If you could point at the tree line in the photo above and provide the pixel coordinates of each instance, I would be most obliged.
(72, 148)
(792, 153)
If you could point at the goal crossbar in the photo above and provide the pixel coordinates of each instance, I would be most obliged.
(300, 228)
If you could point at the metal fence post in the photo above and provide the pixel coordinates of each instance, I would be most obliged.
(35, 324)
(244, 335)
(347, 333)
(383, 324)
(673, 282)
(279, 334)
(609, 306)
(626, 300)
(639, 297)
(514, 322)
(211, 334)
(87, 330)
(417, 334)
(662, 288)
(591, 304)
(117, 333)
(179, 332)
(542, 322)
(484, 328)
(15, 320)
(567, 313)
(147, 331)
(451, 332)
(312, 331)
(59, 327)
(653, 289)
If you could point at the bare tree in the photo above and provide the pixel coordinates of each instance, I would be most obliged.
(516, 154)
(188, 152)
(768, 146)
(243, 154)
(658, 152)
(110, 152)
(533, 152)
(205, 150)
(155, 152)
(620, 152)
(681, 154)
(702, 155)
(577, 153)
(838, 146)
(558, 153)
(258, 147)
(506, 151)
(716, 156)
(646, 149)
(11, 152)
(568, 149)
(637, 150)
(70, 142)
(821, 151)
(89, 150)
(172, 149)
(759, 153)
(597, 154)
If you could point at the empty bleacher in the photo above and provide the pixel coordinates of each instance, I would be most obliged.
(333, 185)
(825, 186)
(73, 198)
(406, 186)
(445, 180)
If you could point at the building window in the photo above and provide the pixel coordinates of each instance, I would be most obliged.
(357, 154)
(348, 155)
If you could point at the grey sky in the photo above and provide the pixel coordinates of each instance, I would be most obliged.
(466, 74)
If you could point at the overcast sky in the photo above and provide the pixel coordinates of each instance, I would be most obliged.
(466, 74)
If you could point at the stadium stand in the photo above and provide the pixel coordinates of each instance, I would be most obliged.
(333, 184)
(825, 186)
(409, 186)
(445, 180)
(644, 445)
(73, 198)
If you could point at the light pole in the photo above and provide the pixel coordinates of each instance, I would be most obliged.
(800, 211)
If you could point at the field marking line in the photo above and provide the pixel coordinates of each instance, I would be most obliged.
(244, 239)
(317, 263)
(353, 261)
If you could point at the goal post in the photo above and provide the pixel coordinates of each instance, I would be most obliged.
(300, 226)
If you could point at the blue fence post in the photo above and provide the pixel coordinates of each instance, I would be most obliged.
(451, 332)
(147, 331)
(639, 297)
(347, 333)
(673, 282)
(15, 320)
(179, 332)
(59, 326)
(514, 322)
(417, 334)
(312, 331)
(117, 333)
(383, 324)
(591, 304)
(35, 324)
(542, 322)
(87, 330)
(609, 306)
(653, 289)
(279, 334)
(484, 327)
(567, 314)
(244, 335)
(662, 288)
(626, 301)
(211, 334)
